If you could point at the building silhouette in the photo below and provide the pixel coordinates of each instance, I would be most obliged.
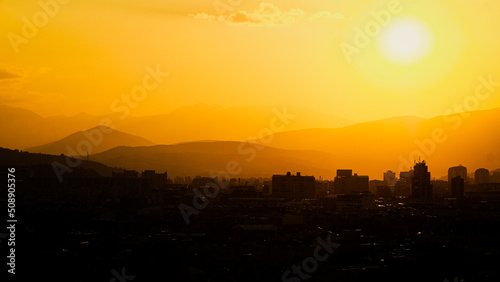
(384, 192)
(125, 174)
(160, 180)
(293, 186)
(344, 172)
(495, 176)
(390, 178)
(421, 187)
(457, 171)
(346, 183)
(403, 185)
(481, 176)
(199, 181)
(457, 187)
(405, 176)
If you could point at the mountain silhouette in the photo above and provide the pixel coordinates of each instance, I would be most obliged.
(469, 138)
(42, 164)
(27, 129)
(100, 138)
(201, 158)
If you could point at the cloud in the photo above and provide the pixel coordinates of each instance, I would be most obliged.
(4, 74)
(16, 85)
(203, 16)
(15, 91)
(267, 14)
(14, 98)
(11, 90)
(327, 15)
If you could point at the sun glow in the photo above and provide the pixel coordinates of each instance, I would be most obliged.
(406, 41)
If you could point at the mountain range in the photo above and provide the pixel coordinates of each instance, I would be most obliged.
(471, 139)
(27, 129)
(93, 141)
(44, 164)
(369, 148)
(237, 159)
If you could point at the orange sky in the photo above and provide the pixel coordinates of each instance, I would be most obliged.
(83, 55)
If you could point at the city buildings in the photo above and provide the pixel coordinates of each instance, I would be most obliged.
(457, 187)
(160, 180)
(293, 186)
(346, 183)
(390, 178)
(421, 187)
(481, 176)
(457, 171)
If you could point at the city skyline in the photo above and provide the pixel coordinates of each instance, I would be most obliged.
(443, 141)
(397, 222)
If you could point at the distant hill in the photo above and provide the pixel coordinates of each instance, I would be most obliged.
(43, 164)
(21, 126)
(471, 139)
(101, 138)
(201, 158)
(27, 129)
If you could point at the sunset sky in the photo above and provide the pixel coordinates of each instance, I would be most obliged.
(421, 61)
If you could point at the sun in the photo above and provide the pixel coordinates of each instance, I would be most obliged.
(415, 51)
(406, 41)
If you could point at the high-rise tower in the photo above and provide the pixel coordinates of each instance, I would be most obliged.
(421, 181)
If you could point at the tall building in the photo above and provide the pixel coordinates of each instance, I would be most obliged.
(405, 176)
(324, 188)
(390, 178)
(293, 186)
(421, 182)
(160, 180)
(481, 176)
(344, 172)
(346, 183)
(403, 185)
(457, 171)
(457, 187)
(495, 176)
